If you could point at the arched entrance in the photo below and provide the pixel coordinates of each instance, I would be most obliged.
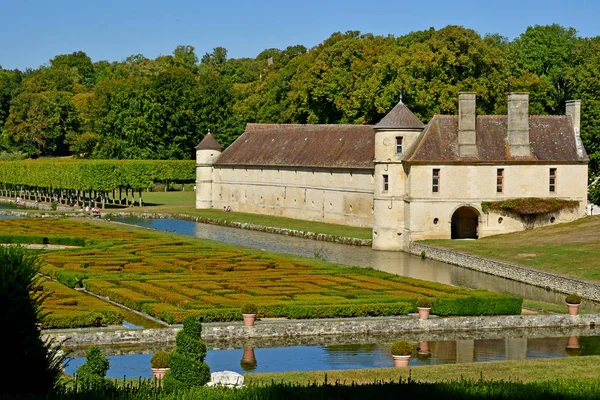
(465, 222)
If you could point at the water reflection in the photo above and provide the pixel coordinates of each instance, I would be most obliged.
(361, 355)
(398, 263)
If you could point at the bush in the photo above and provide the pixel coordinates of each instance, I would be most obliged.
(160, 359)
(24, 350)
(402, 348)
(187, 359)
(424, 302)
(477, 303)
(91, 374)
(573, 299)
(249, 308)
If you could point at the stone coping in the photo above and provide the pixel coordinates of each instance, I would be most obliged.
(548, 280)
(342, 326)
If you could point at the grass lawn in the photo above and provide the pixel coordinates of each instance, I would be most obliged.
(184, 203)
(586, 367)
(170, 276)
(571, 249)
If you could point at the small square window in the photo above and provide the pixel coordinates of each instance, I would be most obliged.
(500, 180)
(398, 144)
(386, 183)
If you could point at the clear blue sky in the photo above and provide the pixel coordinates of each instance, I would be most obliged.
(34, 31)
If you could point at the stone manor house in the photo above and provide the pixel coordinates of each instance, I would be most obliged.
(407, 180)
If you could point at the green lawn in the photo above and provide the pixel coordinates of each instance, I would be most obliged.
(571, 249)
(183, 202)
(586, 367)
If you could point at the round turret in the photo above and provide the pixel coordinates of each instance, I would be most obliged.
(207, 152)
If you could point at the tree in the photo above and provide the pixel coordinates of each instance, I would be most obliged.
(21, 297)
(78, 62)
(91, 374)
(187, 359)
(9, 83)
(185, 56)
(216, 58)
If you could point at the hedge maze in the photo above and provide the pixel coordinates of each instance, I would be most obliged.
(170, 276)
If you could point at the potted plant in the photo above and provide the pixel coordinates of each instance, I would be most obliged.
(573, 302)
(160, 364)
(424, 307)
(249, 311)
(401, 351)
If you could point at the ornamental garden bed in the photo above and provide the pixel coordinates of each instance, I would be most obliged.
(170, 276)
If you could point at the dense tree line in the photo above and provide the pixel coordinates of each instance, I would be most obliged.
(159, 109)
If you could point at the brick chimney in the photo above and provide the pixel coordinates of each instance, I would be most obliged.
(467, 125)
(574, 111)
(518, 124)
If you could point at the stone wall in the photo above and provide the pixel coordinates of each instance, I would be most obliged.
(342, 326)
(547, 280)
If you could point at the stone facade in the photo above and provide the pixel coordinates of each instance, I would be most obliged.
(407, 180)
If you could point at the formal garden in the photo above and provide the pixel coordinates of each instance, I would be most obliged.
(171, 276)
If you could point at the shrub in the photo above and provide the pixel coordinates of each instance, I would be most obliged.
(573, 299)
(25, 352)
(91, 374)
(187, 359)
(423, 254)
(160, 359)
(477, 303)
(424, 302)
(249, 308)
(402, 348)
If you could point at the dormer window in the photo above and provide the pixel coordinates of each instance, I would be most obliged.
(398, 144)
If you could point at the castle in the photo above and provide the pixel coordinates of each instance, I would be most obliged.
(407, 180)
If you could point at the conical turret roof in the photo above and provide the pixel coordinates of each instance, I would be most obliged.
(400, 118)
(209, 143)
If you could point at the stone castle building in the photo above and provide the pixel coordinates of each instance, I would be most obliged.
(407, 180)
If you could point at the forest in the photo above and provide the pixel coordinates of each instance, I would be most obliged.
(160, 109)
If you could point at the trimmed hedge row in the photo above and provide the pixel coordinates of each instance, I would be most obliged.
(82, 320)
(62, 240)
(100, 175)
(477, 303)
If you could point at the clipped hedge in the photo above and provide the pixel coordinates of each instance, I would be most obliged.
(477, 303)
(100, 175)
(82, 320)
(62, 240)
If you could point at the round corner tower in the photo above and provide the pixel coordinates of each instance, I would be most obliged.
(395, 135)
(207, 152)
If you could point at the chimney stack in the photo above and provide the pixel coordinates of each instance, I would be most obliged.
(467, 125)
(518, 124)
(574, 111)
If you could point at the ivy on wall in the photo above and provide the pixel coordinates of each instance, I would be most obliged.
(529, 205)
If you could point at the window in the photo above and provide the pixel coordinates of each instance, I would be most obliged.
(553, 179)
(500, 180)
(398, 144)
(386, 183)
(435, 184)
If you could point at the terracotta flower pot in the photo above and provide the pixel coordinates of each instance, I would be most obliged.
(573, 308)
(424, 312)
(249, 319)
(401, 361)
(159, 373)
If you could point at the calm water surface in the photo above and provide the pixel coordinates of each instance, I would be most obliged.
(398, 263)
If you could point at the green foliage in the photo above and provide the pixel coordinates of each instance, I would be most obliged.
(82, 320)
(160, 359)
(94, 175)
(483, 304)
(249, 308)
(187, 364)
(91, 374)
(573, 299)
(19, 312)
(529, 205)
(424, 302)
(402, 348)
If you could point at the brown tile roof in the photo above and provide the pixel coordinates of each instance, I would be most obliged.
(551, 138)
(400, 118)
(209, 143)
(329, 146)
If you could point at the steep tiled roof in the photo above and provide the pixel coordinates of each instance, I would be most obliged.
(400, 118)
(551, 138)
(330, 146)
(209, 143)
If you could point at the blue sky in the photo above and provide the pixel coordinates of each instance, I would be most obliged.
(34, 31)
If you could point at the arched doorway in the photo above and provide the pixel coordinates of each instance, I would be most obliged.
(465, 222)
